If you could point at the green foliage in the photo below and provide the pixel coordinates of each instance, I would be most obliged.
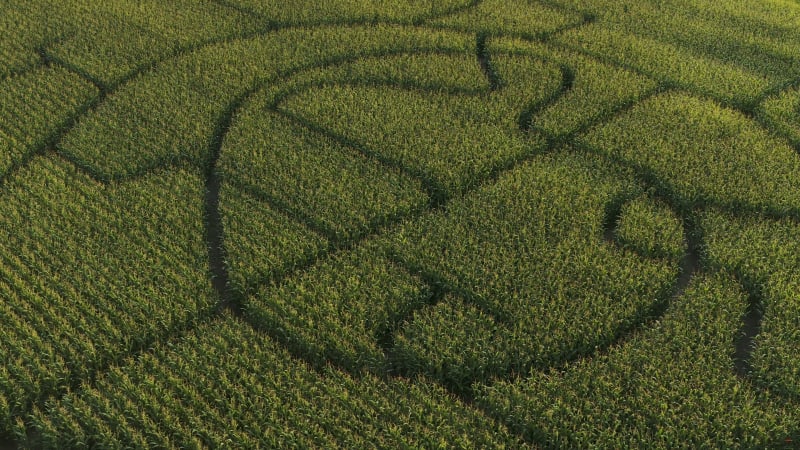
(447, 71)
(341, 309)
(33, 107)
(26, 28)
(89, 272)
(596, 91)
(701, 154)
(732, 50)
(650, 229)
(782, 111)
(333, 187)
(226, 385)
(171, 114)
(453, 140)
(529, 19)
(670, 385)
(308, 12)
(742, 33)
(766, 254)
(522, 251)
(109, 40)
(261, 243)
(457, 343)
(725, 81)
(399, 224)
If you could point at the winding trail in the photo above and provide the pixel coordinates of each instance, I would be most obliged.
(690, 263)
(525, 119)
(484, 60)
(215, 236)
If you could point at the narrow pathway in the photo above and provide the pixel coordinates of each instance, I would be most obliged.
(495, 82)
(525, 119)
(214, 236)
(745, 343)
(690, 263)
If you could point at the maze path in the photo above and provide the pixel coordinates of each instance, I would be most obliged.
(217, 121)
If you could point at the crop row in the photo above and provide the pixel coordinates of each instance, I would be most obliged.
(733, 54)
(701, 154)
(110, 40)
(669, 63)
(326, 311)
(590, 91)
(537, 281)
(739, 184)
(33, 106)
(504, 313)
(446, 71)
(751, 37)
(782, 112)
(171, 113)
(331, 186)
(262, 243)
(670, 385)
(225, 385)
(89, 272)
(392, 228)
(452, 140)
(342, 310)
(457, 137)
(764, 254)
(527, 19)
(308, 12)
(26, 27)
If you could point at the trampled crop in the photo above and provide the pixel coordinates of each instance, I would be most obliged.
(363, 223)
